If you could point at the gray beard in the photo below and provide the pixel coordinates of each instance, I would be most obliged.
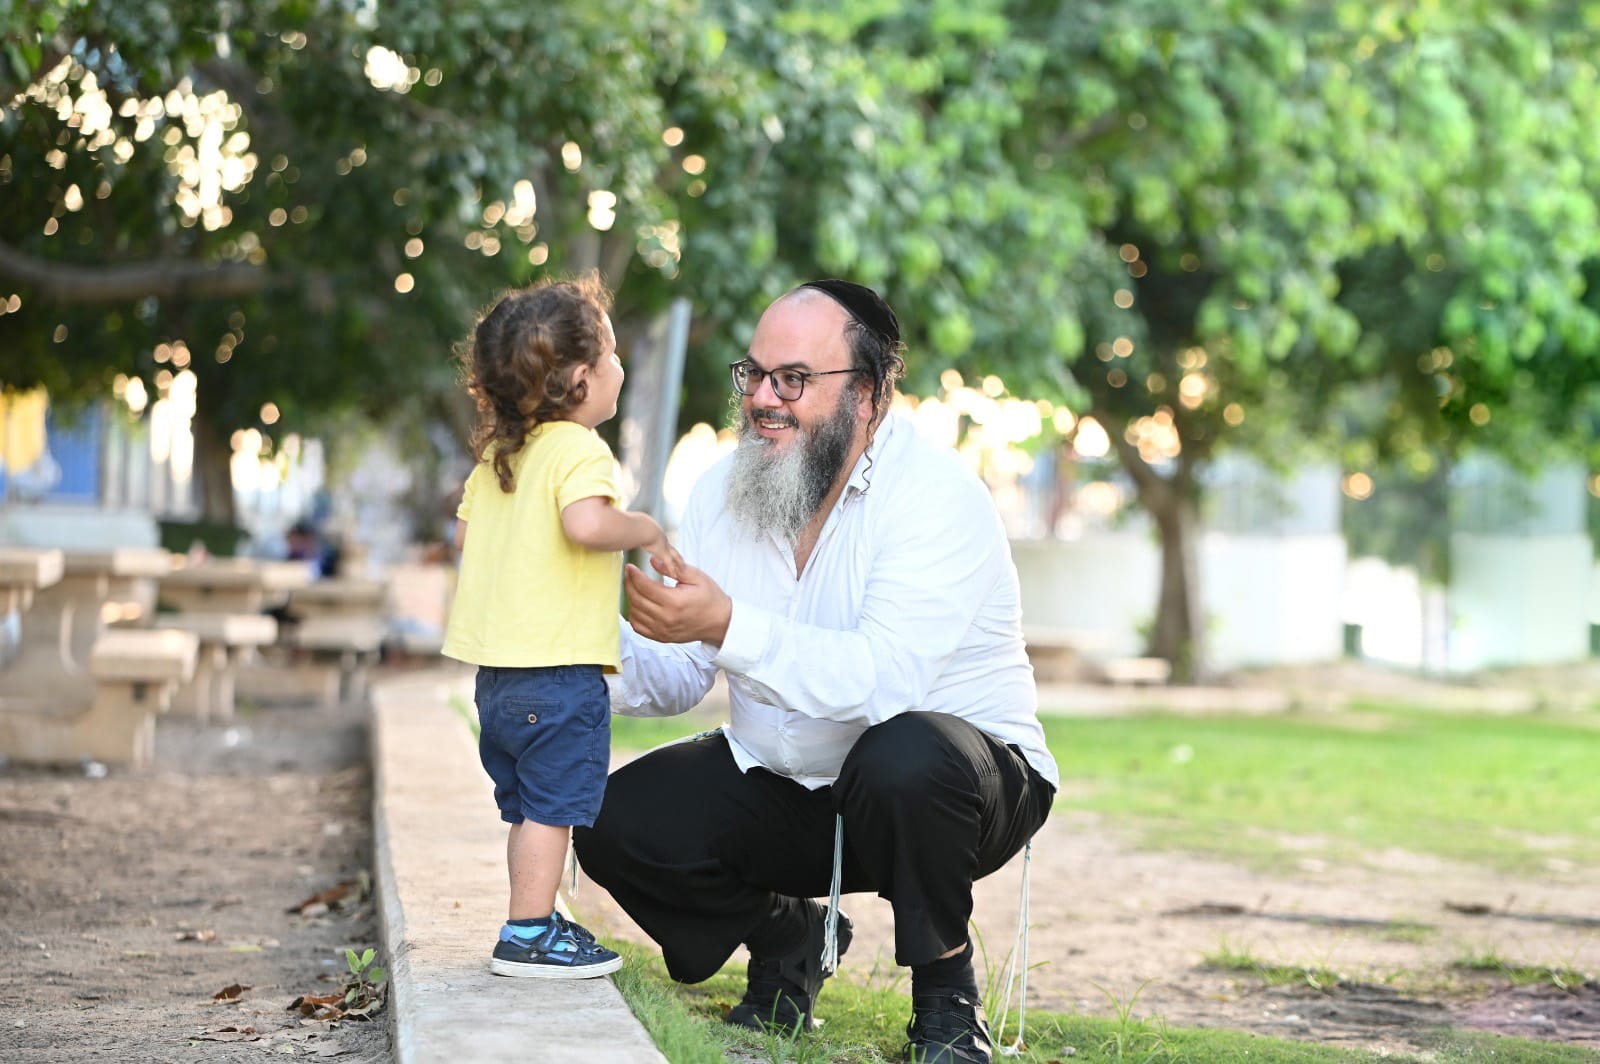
(778, 493)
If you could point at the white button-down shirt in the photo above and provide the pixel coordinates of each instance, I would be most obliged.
(908, 602)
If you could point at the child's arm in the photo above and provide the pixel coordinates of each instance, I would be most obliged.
(596, 524)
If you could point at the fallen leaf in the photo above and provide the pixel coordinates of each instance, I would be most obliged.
(319, 1006)
(339, 894)
(316, 999)
(230, 1034)
(229, 993)
(204, 935)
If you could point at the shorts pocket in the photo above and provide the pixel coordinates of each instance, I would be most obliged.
(516, 723)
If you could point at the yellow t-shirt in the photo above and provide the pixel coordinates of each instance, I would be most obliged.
(526, 594)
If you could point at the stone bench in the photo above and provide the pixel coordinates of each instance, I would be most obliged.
(1134, 672)
(340, 597)
(1062, 655)
(134, 673)
(420, 595)
(350, 645)
(324, 659)
(228, 641)
(232, 585)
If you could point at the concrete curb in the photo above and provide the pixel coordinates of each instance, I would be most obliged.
(439, 852)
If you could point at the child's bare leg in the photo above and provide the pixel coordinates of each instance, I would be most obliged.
(535, 856)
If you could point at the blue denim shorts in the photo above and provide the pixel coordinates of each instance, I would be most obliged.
(545, 740)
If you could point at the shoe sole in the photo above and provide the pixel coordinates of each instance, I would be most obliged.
(517, 970)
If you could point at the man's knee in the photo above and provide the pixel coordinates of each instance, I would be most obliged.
(901, 755)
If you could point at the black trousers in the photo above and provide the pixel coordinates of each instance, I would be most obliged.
(694, 850)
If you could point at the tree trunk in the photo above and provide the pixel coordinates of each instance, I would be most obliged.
(212, 466)
(1178, 634)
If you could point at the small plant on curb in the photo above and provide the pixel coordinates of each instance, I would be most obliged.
(364, 990)
(362, 994)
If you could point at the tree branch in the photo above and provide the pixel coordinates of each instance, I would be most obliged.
(162, 278)
(1152, 486)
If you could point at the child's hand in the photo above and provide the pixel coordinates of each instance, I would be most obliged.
(665, 559)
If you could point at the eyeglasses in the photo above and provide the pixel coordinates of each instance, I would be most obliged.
(787, 384)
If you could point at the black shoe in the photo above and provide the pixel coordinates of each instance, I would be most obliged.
(947, 1027)
(564, 950)
(779, 993)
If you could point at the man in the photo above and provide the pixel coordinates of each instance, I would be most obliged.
(855, 585)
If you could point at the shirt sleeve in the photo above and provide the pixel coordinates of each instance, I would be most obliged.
(468, 491)
(587, 469)
(939, 559)
(664, 679)
(659, 679)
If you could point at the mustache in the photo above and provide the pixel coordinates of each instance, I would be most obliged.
(788, 420)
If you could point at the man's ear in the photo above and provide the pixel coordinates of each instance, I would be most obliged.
(864, 404)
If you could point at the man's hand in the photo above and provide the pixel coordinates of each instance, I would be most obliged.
(695, 610)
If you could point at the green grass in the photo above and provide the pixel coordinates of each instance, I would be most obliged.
(643, 733)
(463, 709)
(1228, 959)
(1505, 791)
(864, 1024)
(1509, 792)
(1562, 978)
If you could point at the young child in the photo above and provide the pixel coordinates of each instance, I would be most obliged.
(536, 600)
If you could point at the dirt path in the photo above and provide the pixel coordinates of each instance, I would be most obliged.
(127, 903)
(1110, 923)
(101, 879)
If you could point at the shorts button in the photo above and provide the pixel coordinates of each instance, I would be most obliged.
(533, 718)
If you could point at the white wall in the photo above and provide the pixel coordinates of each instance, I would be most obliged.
(1268, 600)
(1101, 588)
(1519, 600)
(1273, 600)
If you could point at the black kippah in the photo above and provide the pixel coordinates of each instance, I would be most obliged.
(864, 305)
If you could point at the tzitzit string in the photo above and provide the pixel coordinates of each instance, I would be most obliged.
(1019, 947)
(830, 932)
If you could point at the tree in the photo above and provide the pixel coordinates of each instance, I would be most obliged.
(315, 198)
(1240, 167)
(1188, 220)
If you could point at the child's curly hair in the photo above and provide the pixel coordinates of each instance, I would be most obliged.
(518, 362)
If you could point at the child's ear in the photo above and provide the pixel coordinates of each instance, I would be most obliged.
(578, 381)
